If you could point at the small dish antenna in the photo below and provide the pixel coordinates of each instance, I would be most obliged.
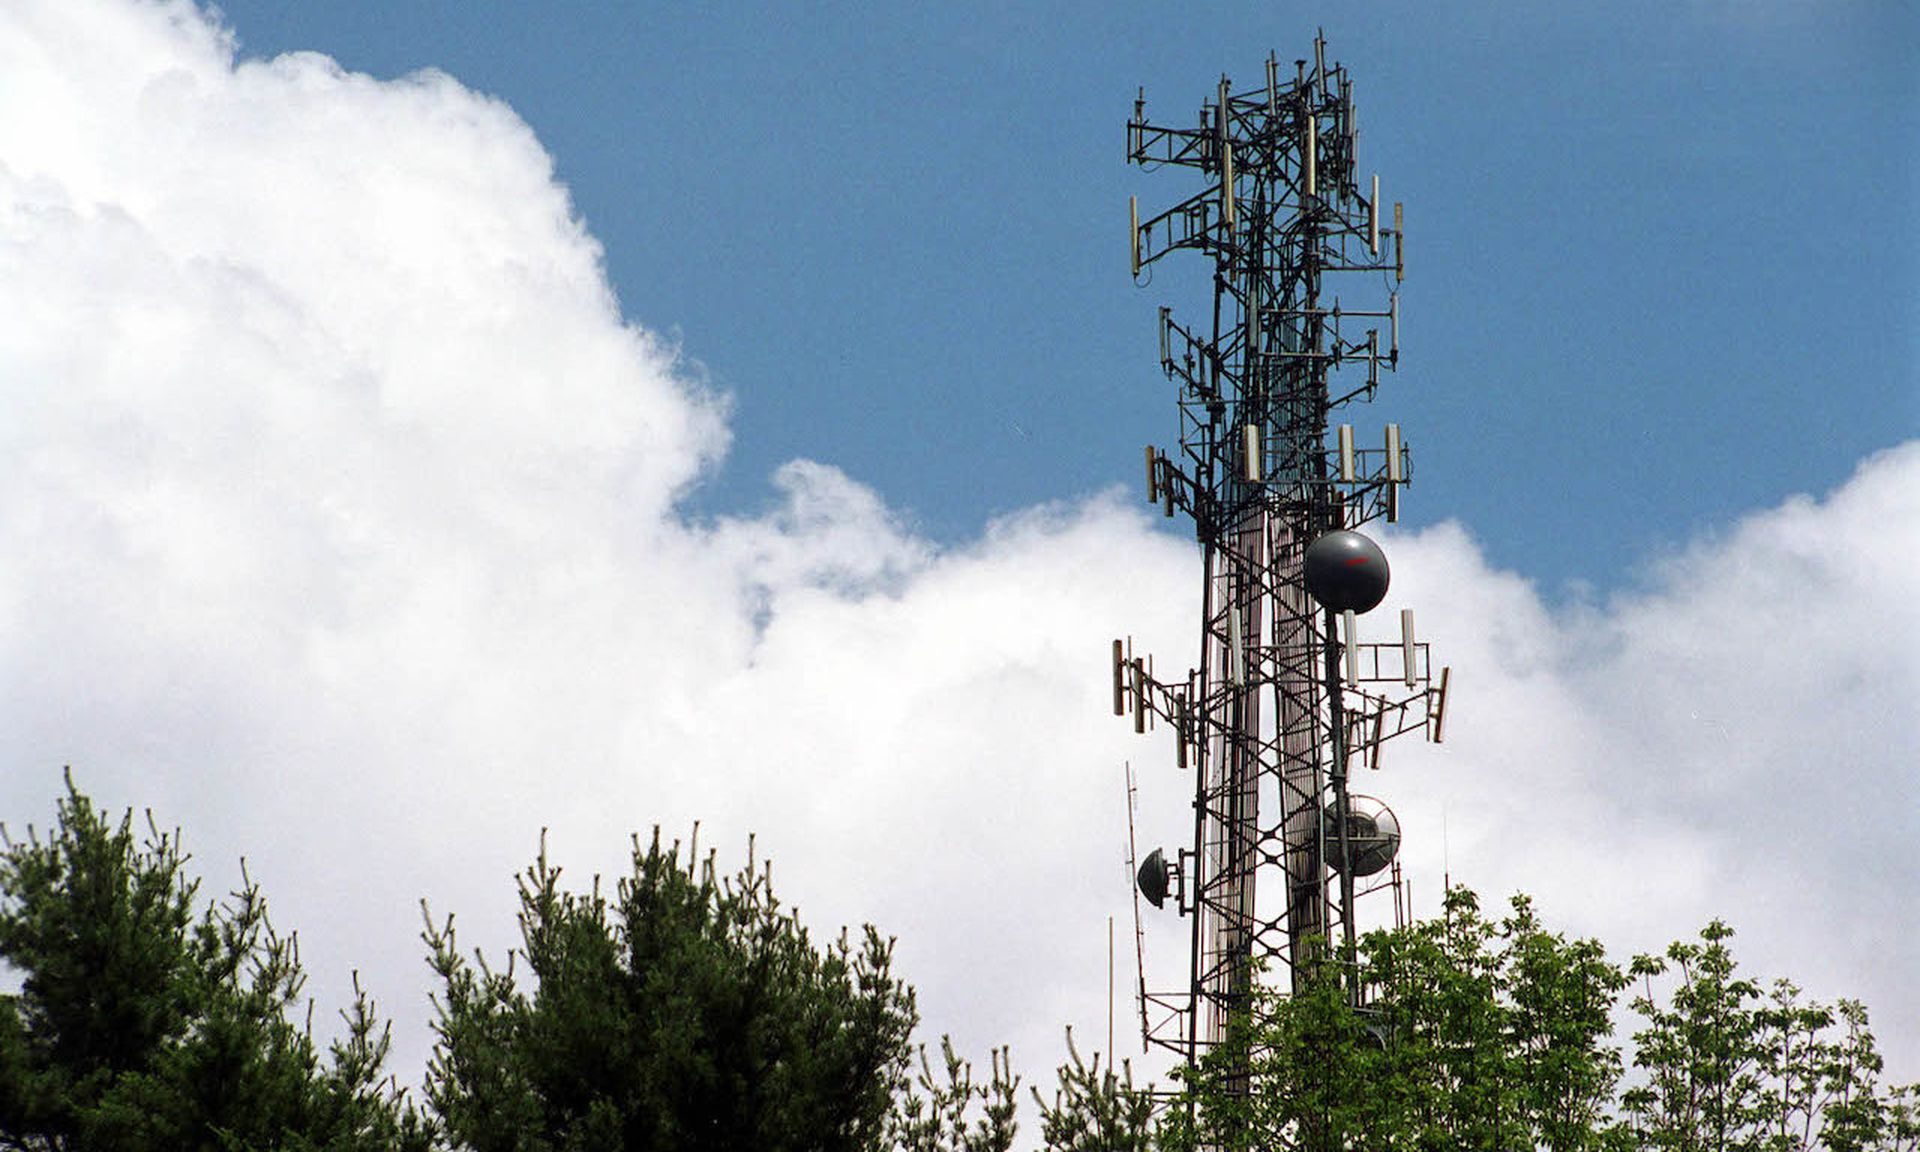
(1155, 878)
(1373, 836)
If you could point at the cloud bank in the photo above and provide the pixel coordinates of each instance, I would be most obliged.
(340, 513)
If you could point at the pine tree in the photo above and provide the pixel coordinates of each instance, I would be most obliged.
(144, 1021)
(1095, 1109)
(686, 1011)
(950, 1111)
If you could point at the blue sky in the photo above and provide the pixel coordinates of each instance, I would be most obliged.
(350, 525)
(1664, 260)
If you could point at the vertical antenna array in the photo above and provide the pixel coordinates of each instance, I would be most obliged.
(1286, 696)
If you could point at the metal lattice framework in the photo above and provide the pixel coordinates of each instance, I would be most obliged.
(1281, 705)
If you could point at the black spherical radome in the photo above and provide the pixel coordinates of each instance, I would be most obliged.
(1346, 572)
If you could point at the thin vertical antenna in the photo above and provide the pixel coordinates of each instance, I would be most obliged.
(1139, 931)
(1110, 1056)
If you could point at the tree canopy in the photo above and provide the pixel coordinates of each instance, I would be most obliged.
(146, 1020)
(686, 1011)
(688, 1008)
(1464, 1032)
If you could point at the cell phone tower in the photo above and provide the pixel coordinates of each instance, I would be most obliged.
(1287, 698)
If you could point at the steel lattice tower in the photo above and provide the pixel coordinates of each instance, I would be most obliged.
(1286, 698)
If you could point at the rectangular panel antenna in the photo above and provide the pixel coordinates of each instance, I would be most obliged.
(1350, 625)
(1408, 651)
(1394, 471)
(1313, 146)
(1348, 117)
(1346, 453)
(1399, 256)
(1226, 182)
(1373, 225)
(1133, 232)
(1139, 694)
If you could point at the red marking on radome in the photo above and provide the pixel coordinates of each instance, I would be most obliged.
(1356, 561)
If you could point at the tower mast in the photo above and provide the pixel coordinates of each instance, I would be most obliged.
(1286, 697)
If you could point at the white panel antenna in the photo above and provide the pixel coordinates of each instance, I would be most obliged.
(1350, 627)
(1408, 650)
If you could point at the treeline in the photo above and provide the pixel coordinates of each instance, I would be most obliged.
(688, 1008)
(1471, 1032)
(682, 1009)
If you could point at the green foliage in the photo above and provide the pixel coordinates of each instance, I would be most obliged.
(938, 1113)
(1094, 1109)
(143, 1024)
(1467, 1034)
(691, 1011)
(1699, 1051)
(1724, 1069)
(687, 1011)
(1559, 996)
(1472, 1034)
